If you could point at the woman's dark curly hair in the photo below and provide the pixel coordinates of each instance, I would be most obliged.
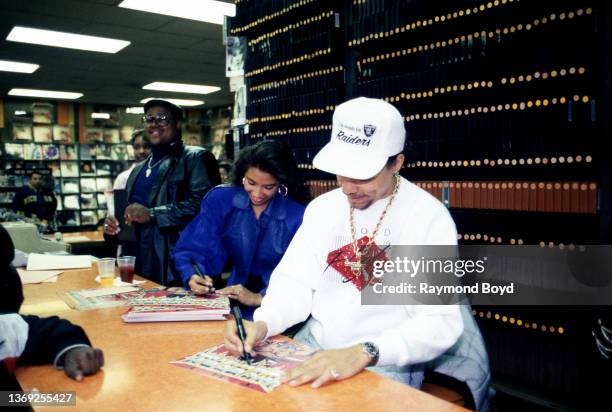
(275, 158)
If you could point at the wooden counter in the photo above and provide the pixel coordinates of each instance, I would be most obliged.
(137, 375)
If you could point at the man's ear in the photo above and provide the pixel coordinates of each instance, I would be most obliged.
(399, 162)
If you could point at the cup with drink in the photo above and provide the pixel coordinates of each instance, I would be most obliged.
(126, 268)
(106, 270)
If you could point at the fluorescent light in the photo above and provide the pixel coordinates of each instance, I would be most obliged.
(52, 94)
(17, 67)
(135, 110)
(100, 116)
(67, 40)
(208, 11)
(179, 102)
(20, 113)
(181, 87)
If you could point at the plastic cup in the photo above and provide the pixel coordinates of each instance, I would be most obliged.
(106, 270)
(126, 268)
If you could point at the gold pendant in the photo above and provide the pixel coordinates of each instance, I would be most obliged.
(355, 266)
(148, 173)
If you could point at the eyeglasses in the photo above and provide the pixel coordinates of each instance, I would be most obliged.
(160, 119)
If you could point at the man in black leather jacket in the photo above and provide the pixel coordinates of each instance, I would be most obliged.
(164, 192)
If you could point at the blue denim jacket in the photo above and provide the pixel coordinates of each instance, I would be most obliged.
(227, 227)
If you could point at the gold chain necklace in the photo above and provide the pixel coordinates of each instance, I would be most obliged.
(356, 266)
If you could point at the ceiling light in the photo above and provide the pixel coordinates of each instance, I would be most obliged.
(20, 113)
(52, 94)
(67, 40)
(17, 67)
(135, 110)
(180, 102)
(100, 115)
(181, 87)
(208, 11)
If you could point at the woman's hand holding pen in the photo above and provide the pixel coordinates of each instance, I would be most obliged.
(242, 295)
(201, 285)
(255, 332)
(328, 365)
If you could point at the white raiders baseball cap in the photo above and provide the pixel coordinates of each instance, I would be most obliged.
(365, 133)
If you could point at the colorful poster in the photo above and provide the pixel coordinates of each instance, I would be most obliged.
(234, 56)
(273, 357)
(14, 150)
(50, 152)
(68, 152)
(42, 134)
(41, 113)
(22, 131)
(99, 297)
(110, 136)
(93, 135)
(62, 134)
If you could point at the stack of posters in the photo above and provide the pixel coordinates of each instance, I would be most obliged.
(100, 297)
(157, 305)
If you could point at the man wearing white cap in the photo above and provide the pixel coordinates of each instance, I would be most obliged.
(374, 206)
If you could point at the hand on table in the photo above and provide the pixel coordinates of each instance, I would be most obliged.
(255, 332)
(201, 285)
(242, 295)
(111, 226)
(82, 361)
(136, 213)
(328, 365)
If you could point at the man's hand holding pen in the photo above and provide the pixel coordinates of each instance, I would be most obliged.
(324, 366)
(255, 332)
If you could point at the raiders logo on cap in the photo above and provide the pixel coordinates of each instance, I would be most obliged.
(369, 129)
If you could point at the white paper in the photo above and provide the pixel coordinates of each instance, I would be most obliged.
(28, 276)
(37, 261)
(92, 293)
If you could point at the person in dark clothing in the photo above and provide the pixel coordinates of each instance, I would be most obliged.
(35, 201)
(164, 192)
(32, 340)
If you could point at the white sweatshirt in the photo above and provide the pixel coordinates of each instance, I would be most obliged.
(300, 285)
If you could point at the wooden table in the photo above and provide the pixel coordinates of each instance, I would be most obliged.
(137, 374)
(88, 243)
(80, 237)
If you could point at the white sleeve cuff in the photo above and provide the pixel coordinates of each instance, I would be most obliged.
(63, 351)
(272, 321)
(420, 339)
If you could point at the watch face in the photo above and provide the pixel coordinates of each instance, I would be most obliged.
(372, 351)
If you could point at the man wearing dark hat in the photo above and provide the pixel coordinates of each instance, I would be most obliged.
(164, 192)
(34, 340)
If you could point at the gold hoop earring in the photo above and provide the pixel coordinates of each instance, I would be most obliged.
(282, 190)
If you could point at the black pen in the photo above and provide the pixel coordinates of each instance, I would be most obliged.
(211, 288)
(241, 333)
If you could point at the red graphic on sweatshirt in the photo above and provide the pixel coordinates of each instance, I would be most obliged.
(357, 271)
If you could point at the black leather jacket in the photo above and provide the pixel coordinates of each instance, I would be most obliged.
(183, 178)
